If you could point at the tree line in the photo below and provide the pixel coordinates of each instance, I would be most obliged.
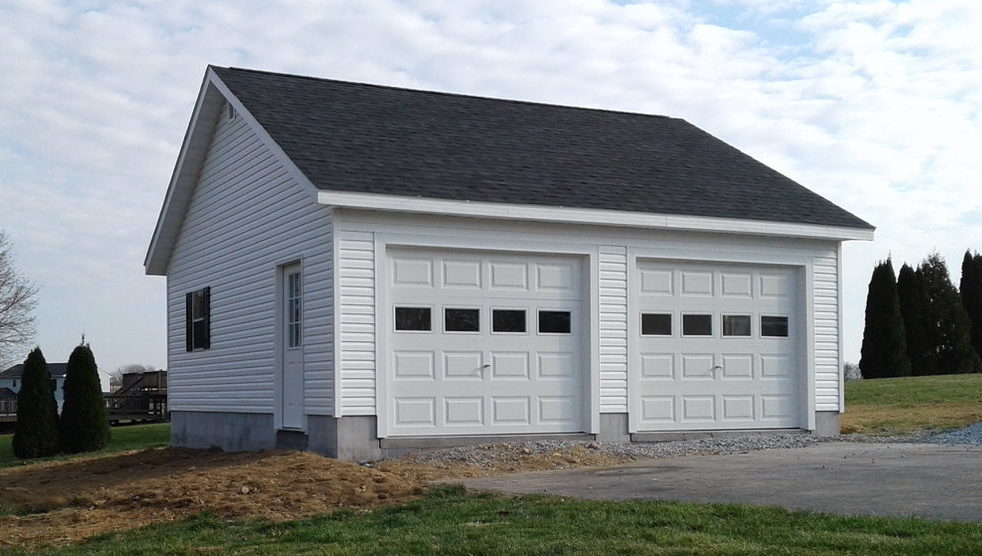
(84, 423)
(918, 323)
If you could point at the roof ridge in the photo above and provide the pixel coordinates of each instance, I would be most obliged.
(446, 94)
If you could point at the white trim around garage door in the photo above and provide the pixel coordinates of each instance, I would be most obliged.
(590, 357)
(709, 255)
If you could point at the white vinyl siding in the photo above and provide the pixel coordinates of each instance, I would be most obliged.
(613, 329)
(356, 278)
(247, 216)
(826, 318)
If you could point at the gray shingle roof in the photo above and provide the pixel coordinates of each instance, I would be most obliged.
(373, 139)
(56, 370)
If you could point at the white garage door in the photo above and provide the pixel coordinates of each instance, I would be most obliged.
(717, 347)
(483, 343)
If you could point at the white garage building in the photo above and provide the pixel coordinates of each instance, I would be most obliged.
(359, 269)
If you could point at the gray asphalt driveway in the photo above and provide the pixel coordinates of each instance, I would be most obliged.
(923, 480)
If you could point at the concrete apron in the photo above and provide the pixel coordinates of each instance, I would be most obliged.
(921, 480)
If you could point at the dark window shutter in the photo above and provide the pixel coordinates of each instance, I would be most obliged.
(188, 324)
(206, 333)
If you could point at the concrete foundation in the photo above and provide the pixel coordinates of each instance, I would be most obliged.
(232, 432)
(346, 438)
(395, 447)
(354, 438)
(613, 428)
(827, 423)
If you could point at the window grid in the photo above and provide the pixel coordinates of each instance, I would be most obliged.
(293, 311)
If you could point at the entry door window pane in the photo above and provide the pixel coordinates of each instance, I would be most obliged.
(697, 325)
(413, 319)
(774, 326)
(508, 320)
(736, 325)
(554, 322)
(462, 320)
(656, 324)
(293, 310)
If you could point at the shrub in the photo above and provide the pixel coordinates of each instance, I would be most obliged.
(36, 434)
(84, 422)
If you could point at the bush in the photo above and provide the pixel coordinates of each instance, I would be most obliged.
(84, 425)
(36, 434)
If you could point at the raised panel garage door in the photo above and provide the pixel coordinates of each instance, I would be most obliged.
(717, 347)
(483, 343)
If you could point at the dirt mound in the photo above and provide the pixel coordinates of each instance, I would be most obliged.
(67, 501)
(59, 503)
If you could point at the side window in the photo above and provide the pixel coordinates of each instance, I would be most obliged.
(416, 319)
(775, 327)
(197, 320)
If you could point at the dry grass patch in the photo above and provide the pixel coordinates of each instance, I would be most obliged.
(59, 503)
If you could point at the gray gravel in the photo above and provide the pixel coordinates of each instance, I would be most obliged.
(487, 455)
(970, 435)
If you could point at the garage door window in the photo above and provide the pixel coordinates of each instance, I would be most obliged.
(554, 322)
(461, 320)
(508, 320)
(413, 319)
(697, 325)
(736, 325)
(774, 326)
(656, 324)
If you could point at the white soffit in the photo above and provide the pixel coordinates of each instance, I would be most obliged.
(396, 203)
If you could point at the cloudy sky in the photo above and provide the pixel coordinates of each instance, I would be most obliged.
(873, 104)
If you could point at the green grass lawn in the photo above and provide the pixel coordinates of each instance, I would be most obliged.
(449, 520)
(912, 404)
(133, 437)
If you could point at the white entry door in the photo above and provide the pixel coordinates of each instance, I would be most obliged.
(717, 347)
(291, 326)
(484, 343)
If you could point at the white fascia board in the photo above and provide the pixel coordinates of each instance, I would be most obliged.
(197, 139)
(373, 201)
(155, 262)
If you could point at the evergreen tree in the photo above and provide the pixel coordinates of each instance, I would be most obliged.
(84, 422)
(884, 350)
(971, 292)
(949, 329)
(36, 434)
(913, 307)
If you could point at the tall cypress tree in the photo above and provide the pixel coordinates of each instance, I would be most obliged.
(913, 307)
(884, 350)
(949, 329)
(971, 292)
(36, 434)
(84, 422)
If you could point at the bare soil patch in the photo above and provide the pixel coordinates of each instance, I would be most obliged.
(60, 503)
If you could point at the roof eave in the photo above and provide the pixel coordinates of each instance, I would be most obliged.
(509, 211)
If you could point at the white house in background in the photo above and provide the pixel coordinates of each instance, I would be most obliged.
(11, 381)
(361, 270)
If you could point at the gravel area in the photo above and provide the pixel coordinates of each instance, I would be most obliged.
(970, 435)
(496, 455)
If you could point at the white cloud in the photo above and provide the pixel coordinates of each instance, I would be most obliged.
(872, 104)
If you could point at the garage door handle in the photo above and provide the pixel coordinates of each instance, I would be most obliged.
(486, 366)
